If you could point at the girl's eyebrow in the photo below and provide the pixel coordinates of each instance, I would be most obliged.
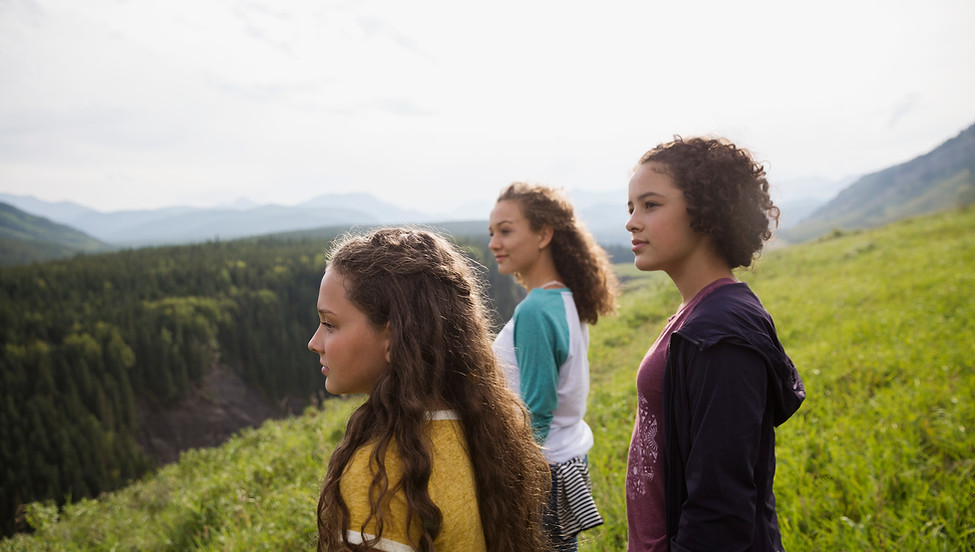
(499, 223)
(645, 195)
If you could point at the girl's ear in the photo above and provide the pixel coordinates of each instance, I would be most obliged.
(545, 236)
(386, 341)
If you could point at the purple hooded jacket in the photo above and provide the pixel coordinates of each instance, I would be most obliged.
(727, 385)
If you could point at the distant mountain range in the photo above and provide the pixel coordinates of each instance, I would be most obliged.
(176, 225)
(941, 179)
(603, 212)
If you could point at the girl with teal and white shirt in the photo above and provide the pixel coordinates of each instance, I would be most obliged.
(543, 348)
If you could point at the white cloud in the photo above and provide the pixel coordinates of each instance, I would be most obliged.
(433, 103)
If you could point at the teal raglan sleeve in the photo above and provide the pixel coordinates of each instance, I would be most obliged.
(541, 339)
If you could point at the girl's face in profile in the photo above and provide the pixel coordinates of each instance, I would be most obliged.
(353, 351)
(514, 244)
(659, 225)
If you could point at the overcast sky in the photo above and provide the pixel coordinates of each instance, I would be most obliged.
(434, 104)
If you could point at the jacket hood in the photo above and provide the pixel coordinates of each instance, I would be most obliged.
(734, 313)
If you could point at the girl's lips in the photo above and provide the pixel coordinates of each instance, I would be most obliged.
(637, 244)
(324, 370)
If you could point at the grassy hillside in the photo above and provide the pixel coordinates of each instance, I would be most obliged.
(881, 325)
(26, 238)
(880, 457)
(944, 178)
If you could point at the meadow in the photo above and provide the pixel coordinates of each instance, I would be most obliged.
(881, 456)
(881, 324)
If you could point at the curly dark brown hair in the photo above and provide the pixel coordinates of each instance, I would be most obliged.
(425, 290)
(726, 190)
(579, 260)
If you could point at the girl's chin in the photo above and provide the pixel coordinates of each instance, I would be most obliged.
(644, 265)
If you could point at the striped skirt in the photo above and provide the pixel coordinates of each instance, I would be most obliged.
(575, 509)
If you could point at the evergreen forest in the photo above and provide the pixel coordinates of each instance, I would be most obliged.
(89, 342)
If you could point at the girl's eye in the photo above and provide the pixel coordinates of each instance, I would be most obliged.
(328, 327)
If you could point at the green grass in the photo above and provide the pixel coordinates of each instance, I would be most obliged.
(881, 456)
(881, 325)
(259, 491)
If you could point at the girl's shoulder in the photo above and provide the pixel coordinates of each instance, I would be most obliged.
(544, 306)
(729, 311)
(544, 299)
(362, 463)
(733, 298)
(440, 425)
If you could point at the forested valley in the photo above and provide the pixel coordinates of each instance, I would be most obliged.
(88, 342)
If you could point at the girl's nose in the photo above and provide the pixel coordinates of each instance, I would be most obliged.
(311, 342)
(631, 225)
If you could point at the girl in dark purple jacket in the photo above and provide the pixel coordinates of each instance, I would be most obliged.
(716, 382)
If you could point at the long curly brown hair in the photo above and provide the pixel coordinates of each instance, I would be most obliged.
(440, 354)
(726, 190)
(579, 260)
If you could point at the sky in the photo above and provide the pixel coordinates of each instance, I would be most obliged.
(436, 105)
